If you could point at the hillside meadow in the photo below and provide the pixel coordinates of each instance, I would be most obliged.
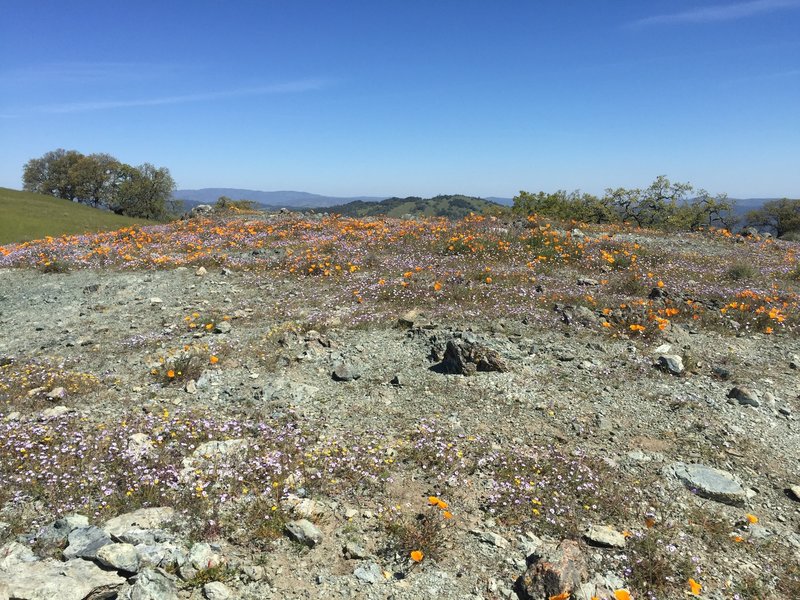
(26, 216)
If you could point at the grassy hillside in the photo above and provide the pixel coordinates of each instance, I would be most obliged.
(454, 207)
(25, 216)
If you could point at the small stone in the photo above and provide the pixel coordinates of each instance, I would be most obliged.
(744, 395)
(201, 271)
(489, 537)
(369, 573)
(671, 363)
(190, 387)
(122, 557)
(603, 535)
(216, 590)
(588, 281)
(795, 491)
(156, 301)
(222, 327)
(350, 513)
(352, 550)
(304, 532)
(345, 371)
(58, 393)
(55, 412)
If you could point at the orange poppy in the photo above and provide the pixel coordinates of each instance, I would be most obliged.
(417, 555)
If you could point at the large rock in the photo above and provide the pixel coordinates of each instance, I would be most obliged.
(553, 572)
(51, 579)
(144, 518)
(711, 483)
(122, 557)
(84, 542)
(462, 357)
(671, 363)
(151, 584)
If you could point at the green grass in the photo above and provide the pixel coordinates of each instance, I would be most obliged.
(25, 216)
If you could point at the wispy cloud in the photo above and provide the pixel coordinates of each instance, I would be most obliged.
(83, 73)
(719, 12)
(304, 85)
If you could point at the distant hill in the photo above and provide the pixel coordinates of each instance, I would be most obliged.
(454, 207)
(288, 199)
(25, 216)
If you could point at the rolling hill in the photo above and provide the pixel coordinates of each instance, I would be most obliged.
(452, 206)
(26, 216)
(288, 199)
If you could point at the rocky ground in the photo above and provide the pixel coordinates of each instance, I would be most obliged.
(422, 423)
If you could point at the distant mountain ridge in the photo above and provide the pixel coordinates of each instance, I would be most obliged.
(289, 199)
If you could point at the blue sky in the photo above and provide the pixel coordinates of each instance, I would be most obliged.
(411, 97)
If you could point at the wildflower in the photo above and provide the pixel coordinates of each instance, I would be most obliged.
(488, 280)
(622, 594)
(213, 359)
(695, 587)
(171, 374)
(562, 596)
(437, 286)
(636, 327)
(447, 514)
(752, 519)
(417, 555)
(660, 283)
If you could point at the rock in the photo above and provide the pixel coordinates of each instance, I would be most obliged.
(410, 318)
(222, 327)
(151, 584)
(369, 573)
(56, 533)
(139, 446)
(58, 393)
(553, 572)
(84, 542)
(488, 537)
(51, 579)
(671, 363)
(721, 372)
(603, 535)
(346, 371)
(795, 491)
(711, 483)
(302, 507)
(163, 555)
(202, 210)
(398, 380)
(462, 357)
(156, 301)
(744, 395)
(201, 271)
(284, 391)
(352, 550)
(190, 387)
(122, 557)
(144, 518)
(13, 554)
(216, 590)
(55, 412)
(201, 557)
(304, 532)
(588, 281)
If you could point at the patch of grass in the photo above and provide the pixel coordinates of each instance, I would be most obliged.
(27, 216)
(740, 271)
(425, 532)
(657, 570)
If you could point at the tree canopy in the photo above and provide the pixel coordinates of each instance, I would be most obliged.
(102, 181)
(663, 204)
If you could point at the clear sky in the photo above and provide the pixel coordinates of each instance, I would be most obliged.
(411, 97)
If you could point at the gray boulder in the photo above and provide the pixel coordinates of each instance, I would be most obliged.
(711, 483)
(50, 579)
